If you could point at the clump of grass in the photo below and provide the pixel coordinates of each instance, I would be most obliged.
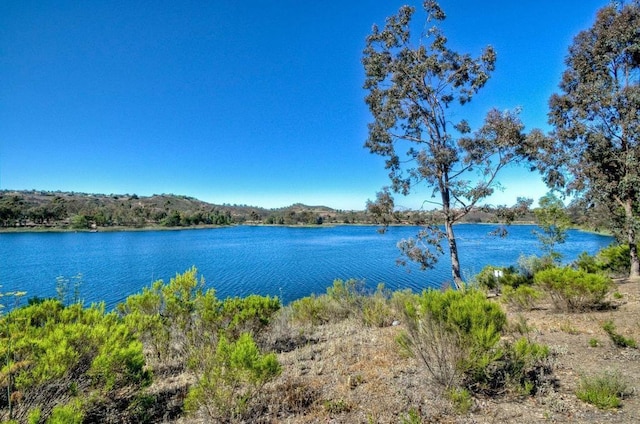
(618, 339)
(594, 343)
(337, 406)
(604, 391)
(460, 399)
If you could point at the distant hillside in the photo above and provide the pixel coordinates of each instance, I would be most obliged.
(60, 210)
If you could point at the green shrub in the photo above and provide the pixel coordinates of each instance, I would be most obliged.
(573, 290)
(453, 333)
(523, 365)
(522, 298)
(528, 266)
(615, 259)
(251, 314)
(70, 413)
(313, 310)
(461, 399)
(605, 390)
(618, 339)
(376, 309)
(497, 278)
(229, 377)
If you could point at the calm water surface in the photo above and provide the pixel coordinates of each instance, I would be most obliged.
(237, 261)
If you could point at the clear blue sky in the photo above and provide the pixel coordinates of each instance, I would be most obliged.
(248, 102)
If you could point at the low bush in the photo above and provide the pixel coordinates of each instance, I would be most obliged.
(618, 339)
(457, 335)
(573, 290)
(70, 353)
(497, 278)
(311, 310)
(605, 391)
(521, 298)
(376, 308)
(229, 377)
(613, 260)
(453, 333)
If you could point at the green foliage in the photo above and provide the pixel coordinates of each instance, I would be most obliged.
(188, 326)
(376, 308)
(249, 314)
(461, 399)
(523, 366)
(229, 377)
(521, 298)
(457, 337)
(34, 416)
(412, 81)
(337, 406)
(412, 417)
(68, 290)
(594, 342)
(495, 278)
(612, 260)
(453, 333)
(605, 390)
(311, 310)
(553, 221)
(618, 339)
(70, 413)
(69, 347)
(346, 293)
(573, 290)
(594, 151)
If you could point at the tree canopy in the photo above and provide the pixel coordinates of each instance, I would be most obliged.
(594, 149)
(414, 84)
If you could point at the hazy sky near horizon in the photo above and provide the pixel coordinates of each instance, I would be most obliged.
(247, 102)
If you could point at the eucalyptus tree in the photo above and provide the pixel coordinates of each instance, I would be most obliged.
(553, 221)
(594, 149)
(416, 85)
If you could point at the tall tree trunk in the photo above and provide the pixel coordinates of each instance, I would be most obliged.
(634, 272)
(453, 251)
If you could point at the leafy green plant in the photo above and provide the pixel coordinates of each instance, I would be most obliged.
(497, 278)
(453, 333)
(70, 413)
(618, 339)
(72, 349)
(461, 399)
(521, 298)
(605, 390)
(573, 290)
(412, 417)
(594, 342)
(313, 310)
(229, 377)
(376, 308)
(337, 406)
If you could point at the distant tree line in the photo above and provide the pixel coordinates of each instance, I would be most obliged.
(38, 209)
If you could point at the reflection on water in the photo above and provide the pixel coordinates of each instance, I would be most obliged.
(237, 261)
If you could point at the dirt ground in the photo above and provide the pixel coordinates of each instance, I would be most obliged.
(350, 373)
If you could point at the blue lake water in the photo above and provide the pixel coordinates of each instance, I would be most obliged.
(237, 261)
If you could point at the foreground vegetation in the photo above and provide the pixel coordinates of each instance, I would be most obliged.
(175, 352)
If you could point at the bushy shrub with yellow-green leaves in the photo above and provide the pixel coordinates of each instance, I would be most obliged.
(189, 327)
(456, 335)
(52, 354)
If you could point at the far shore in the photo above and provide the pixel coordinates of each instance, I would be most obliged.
(52, 229)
